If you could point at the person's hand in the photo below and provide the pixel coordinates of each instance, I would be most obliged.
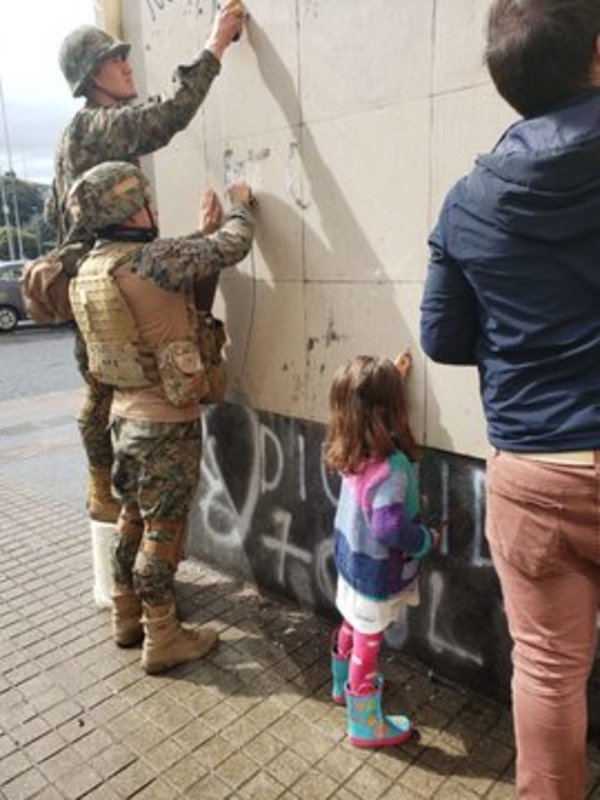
(436, 538)
(241, 193)
(403, 363)
(211, 213)
(227, 27)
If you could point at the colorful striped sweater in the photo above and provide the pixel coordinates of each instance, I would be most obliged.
(378, 526)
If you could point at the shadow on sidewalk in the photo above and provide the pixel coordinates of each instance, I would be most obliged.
(272, 651)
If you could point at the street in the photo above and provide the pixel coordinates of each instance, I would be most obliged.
(37, 360)
(40, 393)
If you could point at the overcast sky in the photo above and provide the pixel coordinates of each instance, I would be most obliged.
(36, 96)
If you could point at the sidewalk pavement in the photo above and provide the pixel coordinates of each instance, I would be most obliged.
(79, 718)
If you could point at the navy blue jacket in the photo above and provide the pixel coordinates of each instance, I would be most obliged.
(513, 284)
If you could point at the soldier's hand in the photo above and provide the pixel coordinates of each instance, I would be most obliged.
(211, 213)
(241, 193)
(227, 27)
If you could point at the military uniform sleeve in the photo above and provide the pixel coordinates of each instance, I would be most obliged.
(129, 131)
(176, 264)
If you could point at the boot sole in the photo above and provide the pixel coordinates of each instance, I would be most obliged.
(164, 666)
(376, 744)
(130, 641)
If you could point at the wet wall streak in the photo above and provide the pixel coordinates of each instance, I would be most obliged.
(265, 510)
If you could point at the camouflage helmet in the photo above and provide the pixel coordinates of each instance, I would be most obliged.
(107, 194)
(83, 51)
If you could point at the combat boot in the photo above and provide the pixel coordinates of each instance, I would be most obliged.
(126, 616)
(167, 643)
(101, 504)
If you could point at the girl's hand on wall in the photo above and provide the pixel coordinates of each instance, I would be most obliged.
(403, 363)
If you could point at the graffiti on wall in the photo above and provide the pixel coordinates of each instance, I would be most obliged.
(262, 512)
(265, 508)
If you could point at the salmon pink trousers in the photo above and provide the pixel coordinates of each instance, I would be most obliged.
(543, 527)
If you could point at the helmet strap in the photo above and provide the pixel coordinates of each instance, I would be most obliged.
(100, 96)
(148, 208)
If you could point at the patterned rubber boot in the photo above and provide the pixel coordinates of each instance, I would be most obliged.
(167, 643)
(126, 616)
(340, 668)
(368, 727)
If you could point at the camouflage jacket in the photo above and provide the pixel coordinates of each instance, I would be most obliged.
(124, 132)
(178, 264)
(183, 264)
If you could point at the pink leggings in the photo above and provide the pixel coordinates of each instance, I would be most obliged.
(363, 650)
(543, 525)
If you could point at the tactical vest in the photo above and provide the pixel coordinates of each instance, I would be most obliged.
(189, 370)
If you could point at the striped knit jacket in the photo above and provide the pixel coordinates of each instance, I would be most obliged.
(378, 527)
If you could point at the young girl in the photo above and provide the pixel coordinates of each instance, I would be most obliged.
(379, 537)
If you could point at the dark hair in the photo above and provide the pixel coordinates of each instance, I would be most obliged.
(540, 52)
(369, 416)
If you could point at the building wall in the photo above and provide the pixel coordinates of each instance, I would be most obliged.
(351, 119)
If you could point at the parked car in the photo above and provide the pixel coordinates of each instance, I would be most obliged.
(12, 305)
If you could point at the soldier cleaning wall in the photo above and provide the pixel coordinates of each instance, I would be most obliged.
(145, 338)
(110, 126)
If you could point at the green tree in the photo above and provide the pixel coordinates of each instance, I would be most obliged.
(30, 198)
(37, 237)
(28, 238)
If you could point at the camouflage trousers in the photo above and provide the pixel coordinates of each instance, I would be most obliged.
(95, 434)
(156, 469)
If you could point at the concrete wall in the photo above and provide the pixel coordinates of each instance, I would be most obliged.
(351, 119)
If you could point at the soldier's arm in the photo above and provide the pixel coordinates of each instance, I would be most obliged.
(115, 133)
(126, 132)
(176, 264)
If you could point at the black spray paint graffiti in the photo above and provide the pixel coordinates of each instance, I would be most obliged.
(259, 515)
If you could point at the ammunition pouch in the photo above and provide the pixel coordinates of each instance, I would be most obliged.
(212, 338)
(181, 372)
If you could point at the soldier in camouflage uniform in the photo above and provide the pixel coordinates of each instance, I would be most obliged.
(133, 302)
(110, 127)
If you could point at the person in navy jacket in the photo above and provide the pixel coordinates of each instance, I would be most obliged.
(513, 287)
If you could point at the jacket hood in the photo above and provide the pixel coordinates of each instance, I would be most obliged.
(542, 180)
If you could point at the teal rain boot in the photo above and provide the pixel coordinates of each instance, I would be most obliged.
(339, 672)
(368, 726)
